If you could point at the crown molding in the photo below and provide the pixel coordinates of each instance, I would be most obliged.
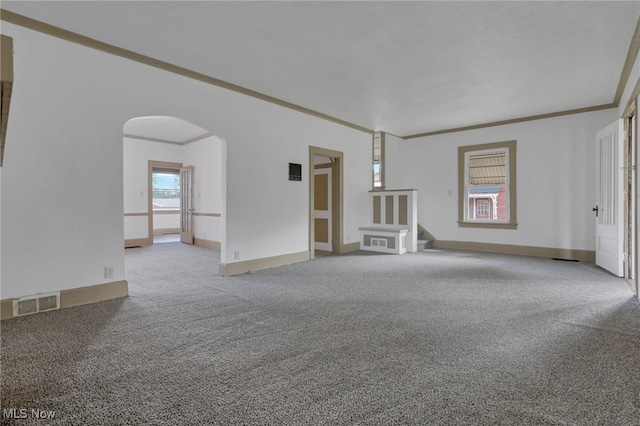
(80, 39)
(67, 35)
(511, 121)
(630, 60)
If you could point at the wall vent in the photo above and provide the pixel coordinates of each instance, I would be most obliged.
(378, 242)
(28, 305)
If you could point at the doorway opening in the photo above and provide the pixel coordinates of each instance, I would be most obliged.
(164, 201)
(325, 201)
(173, 177)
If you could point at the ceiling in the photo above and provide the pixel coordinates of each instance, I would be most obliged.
(164, 129)
(401, 67)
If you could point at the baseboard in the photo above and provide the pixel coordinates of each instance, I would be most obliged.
(137, 242)
(165, 231)
(78, 296)
(200, 242)
(350, 247)
(93, 294)
(6, 309)
(548, 252)
(238, 268)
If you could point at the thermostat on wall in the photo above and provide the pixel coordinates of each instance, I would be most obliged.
(295, 172)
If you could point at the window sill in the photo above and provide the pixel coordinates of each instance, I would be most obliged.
(488, 225)
(167, 211)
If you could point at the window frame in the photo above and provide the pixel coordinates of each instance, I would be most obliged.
(378, 185)
(463, 200)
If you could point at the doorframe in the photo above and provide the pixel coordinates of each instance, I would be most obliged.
(631, 204)
(337, 188)
(151, 165)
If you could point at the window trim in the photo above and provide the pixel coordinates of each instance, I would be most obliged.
(510, 146)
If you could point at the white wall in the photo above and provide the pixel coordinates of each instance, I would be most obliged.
(70, 165)
(634, 76)
(206, 158)
(261, 179)
(166, 222)
(555, 180)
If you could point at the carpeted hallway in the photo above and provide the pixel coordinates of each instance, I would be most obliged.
(435, 337)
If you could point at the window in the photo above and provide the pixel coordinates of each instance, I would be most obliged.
(487, 185)
(378, 161)
(165, 186)
(482, 209)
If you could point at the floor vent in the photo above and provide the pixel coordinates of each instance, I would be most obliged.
(33, 304)
(378, 242)
(48, 302)
(26, 307)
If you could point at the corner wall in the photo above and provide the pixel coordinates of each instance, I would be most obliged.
(555, 180)
(206, 158)
(62, 183)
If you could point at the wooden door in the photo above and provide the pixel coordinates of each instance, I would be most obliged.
(609, 208)
(322, 208)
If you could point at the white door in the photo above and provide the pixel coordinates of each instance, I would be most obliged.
(186, 204)
(322, 209)
(610, 199)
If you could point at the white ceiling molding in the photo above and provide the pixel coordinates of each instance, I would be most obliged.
(164, 129)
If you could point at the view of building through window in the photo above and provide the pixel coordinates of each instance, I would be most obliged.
(487, 186)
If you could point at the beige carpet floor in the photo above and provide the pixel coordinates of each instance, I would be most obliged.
(431, 338)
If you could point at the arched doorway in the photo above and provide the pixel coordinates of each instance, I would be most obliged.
(155, 149)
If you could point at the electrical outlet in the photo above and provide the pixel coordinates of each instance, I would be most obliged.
(205, 236)
(108, 271)
(236, 255)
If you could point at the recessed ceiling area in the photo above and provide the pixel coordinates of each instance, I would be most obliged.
(164, 129)
(401, 67)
